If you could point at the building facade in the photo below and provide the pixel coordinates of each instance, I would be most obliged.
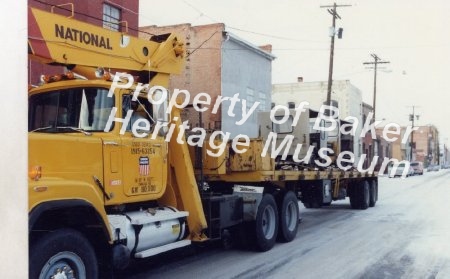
(221, 64)
(425, 143)
(445, 155)
(368, 145)
(112, 14)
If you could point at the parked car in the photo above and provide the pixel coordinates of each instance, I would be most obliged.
(433, 168)
(417, 167)
(410, 171)
(399, 170)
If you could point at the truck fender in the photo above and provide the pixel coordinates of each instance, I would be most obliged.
(251, 196)
(64, 207)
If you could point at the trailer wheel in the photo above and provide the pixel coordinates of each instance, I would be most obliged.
(360, 195)
(373, 193)
(266, 223)
(313, 204)
(353, 194)
(365, 195)
(227, 240)
(64, 253)
(289, 216)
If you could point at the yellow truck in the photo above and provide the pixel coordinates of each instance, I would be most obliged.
(102, 192)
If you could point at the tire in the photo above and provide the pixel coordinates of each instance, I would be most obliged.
(312, 196)
(289, 216)
(312, 204)
(60, 253)
(244, 236)
(364, 195)
(354, 197)
(227, 240)
(373, 193)
(360, 196)
(266, 223)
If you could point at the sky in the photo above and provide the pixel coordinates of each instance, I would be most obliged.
(411, 34)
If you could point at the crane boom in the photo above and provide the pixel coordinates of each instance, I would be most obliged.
(56, 39)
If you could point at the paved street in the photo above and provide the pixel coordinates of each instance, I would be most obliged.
(407, 235)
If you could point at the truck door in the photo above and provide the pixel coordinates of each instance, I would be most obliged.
(143, 159)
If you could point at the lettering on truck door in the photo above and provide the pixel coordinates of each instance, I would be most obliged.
(143, 158)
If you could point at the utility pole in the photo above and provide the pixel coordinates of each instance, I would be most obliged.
(377, 60)
(334, 15)
(412, 145)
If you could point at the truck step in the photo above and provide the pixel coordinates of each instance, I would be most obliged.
(161, 249)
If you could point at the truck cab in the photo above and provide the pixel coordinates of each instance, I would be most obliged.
(90, 172)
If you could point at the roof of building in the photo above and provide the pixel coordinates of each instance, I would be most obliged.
(248, 45)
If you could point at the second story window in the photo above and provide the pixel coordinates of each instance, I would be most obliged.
(111, 17)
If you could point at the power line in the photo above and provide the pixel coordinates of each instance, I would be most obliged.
(195, 49)
(198, 11)
(201, 13)
(274, 36)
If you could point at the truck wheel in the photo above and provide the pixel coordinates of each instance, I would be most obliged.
(313, 203)
(266, 223)
(360, 195)
(64, 253)
(289, 215)
(373, 193)
(364, 195)
(354, 197)
(227, 240)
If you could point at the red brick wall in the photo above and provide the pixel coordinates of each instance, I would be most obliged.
(88, 11)
(92, 11)
(202, 71)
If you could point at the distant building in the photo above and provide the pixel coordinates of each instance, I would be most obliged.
(110, 15)
(367, 140)
(347, 96)
(400, 150)
(425, 146)
(426, 140)
(445, 155)
(220, 63)
(383, 148)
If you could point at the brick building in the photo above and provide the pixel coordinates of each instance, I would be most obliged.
(220, 63)
(426, 140)
(110, 14)
(367, 141)
(426, 146)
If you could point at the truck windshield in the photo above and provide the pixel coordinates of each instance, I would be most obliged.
(69, 110)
